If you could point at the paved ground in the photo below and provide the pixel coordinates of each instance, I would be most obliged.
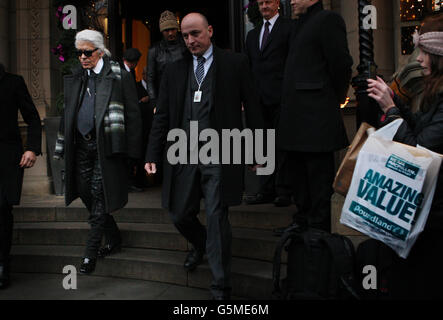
(50, 287)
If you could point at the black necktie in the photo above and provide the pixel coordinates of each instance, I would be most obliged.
(265, 35)
(85, 120)
(200, 71)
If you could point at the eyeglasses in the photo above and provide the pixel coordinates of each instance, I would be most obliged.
(87, 53)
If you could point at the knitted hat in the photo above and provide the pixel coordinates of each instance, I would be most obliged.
(431, 42)
(168, 20)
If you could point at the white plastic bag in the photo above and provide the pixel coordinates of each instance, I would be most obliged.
(391, 190)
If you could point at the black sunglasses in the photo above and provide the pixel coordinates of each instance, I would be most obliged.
(87, 53)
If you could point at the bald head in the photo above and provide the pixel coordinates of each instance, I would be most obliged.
(197, 33)
(195, 17)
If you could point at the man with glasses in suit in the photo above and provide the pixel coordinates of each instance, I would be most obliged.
(99, 131)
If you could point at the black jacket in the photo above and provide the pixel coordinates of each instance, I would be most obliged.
(232, 86)
(159, 56)
(14, 96)
(268, 65)
(317, 76)
(114, 168)
(424, 129)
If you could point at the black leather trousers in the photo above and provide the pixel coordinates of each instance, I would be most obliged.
(6, 222)
(90, 188)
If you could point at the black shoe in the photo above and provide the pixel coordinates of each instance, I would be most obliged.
(87, 266)
(134, 189)
(282, 201)
(259, 198)
(4, 277)
(108, 249)
(194, 258)
(292, 227)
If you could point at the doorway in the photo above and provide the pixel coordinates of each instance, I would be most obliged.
(140, 29)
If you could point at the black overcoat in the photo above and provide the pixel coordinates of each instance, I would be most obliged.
(14, 96)
(317, 77)
(114, 168)
(232, 87)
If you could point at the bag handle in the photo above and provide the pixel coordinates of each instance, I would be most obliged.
(277, 258)
(389, 131)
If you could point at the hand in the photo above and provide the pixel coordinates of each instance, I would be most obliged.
(28, 159)
(150, 168)
(380, 92)
(144, 99)
(254, 167)
(155, 110)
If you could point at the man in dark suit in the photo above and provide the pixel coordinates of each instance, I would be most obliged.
(131, 58)
(99, 130)
(267, 48)
(147, 115)
(209, 87)
(311, 128)
(14, 96)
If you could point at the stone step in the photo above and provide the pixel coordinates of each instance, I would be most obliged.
(247, 243)
(265, 217)
(250, 278)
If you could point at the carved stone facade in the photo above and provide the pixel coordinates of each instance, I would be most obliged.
(25, 42)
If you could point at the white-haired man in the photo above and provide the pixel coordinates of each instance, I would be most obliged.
(100, 129)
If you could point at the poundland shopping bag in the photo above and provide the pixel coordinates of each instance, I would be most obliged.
(391, 190)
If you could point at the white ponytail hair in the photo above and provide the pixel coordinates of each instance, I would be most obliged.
(94, 37)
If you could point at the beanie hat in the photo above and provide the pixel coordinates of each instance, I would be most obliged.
(168, 20)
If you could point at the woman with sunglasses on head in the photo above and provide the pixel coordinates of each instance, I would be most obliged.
(99, 130)
(421, 273)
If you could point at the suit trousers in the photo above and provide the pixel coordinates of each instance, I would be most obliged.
(90, 188)
(193, 182)
(313, 175)
(278, 183)
(6, 223)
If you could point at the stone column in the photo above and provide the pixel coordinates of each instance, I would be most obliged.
(4, 33)
(32, 24)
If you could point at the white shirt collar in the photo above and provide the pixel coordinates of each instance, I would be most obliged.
(98, 67)
(126, 67)
(272, 20)
(207, 55)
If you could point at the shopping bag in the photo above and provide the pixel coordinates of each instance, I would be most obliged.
(343, 177)
(392, 189)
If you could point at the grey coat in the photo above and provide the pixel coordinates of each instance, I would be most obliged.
(114, 168)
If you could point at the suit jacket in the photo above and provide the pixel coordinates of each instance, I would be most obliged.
(317, 76)
(114, 169)
(14, 96)
(231, 86)
(146, 110)
(268, 65)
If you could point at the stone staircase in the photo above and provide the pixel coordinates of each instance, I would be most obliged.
(49, 236)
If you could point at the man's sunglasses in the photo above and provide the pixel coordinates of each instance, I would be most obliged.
(87, 53)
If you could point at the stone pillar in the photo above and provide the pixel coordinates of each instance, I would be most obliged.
(4, 33)
(31, 21)
(384, 38)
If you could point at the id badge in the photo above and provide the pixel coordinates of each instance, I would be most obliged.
(198, 96)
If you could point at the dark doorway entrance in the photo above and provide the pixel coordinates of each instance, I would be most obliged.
(217, 13)
(135, 23)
